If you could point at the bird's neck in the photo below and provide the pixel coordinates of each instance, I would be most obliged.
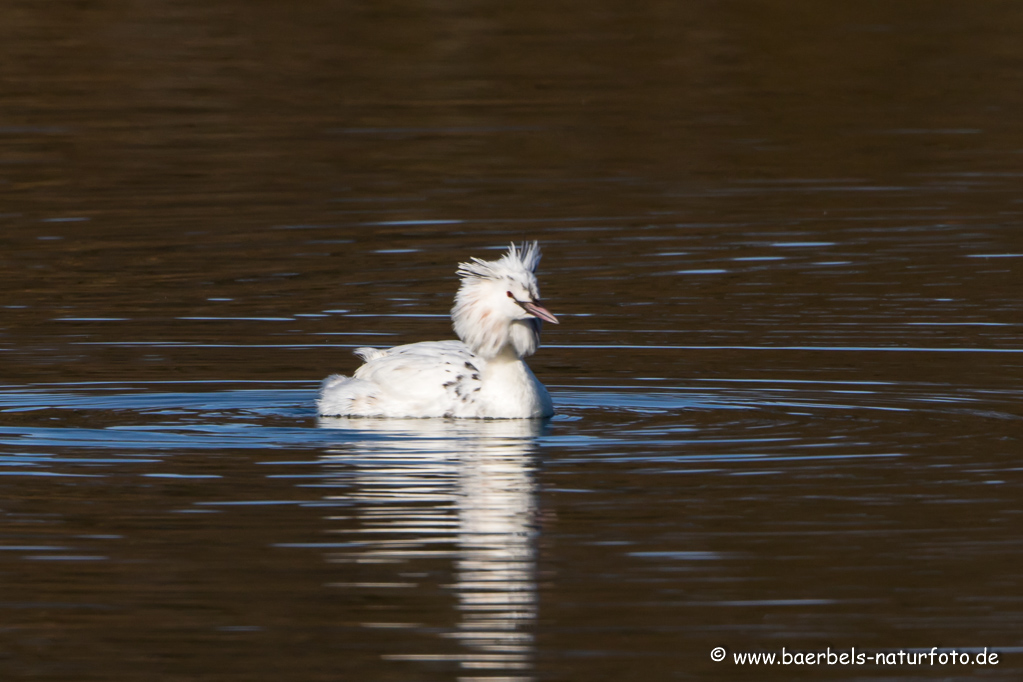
(489, 335)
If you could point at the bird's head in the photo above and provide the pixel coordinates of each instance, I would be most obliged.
(498, 303)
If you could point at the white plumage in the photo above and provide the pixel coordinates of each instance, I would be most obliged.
(497, 315)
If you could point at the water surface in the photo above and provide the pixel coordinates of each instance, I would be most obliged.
(785, 246)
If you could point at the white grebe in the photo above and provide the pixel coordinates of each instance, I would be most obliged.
(497, 316)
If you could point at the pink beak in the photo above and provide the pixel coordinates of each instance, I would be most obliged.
(537, 310)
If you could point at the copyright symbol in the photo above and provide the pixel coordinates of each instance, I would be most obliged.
(717, 654)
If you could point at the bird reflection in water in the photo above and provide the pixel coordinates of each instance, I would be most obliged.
(426, 489)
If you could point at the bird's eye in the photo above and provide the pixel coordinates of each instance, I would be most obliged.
(511, 295)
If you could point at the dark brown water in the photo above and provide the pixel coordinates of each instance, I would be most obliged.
(785, 242)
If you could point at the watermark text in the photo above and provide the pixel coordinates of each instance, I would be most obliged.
(853, 656)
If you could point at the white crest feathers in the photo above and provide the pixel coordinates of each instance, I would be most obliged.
(517, 259)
